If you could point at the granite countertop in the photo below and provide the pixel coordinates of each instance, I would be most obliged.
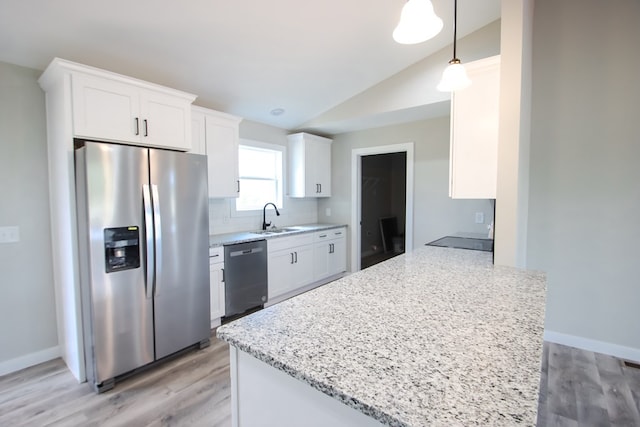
(247, 236)
(438, 336)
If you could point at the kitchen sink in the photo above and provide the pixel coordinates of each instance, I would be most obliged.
(276, 231)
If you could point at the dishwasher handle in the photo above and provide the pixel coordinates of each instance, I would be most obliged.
(246, 252)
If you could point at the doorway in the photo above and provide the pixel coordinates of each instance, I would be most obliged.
(366, 226)
(382, 207)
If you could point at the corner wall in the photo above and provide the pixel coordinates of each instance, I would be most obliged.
(584, 205)
(27, 304)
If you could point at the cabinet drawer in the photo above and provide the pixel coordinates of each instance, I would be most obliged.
(282, 243)
(216, 254)
(335, 233)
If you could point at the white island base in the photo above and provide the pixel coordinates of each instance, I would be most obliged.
(262, 395)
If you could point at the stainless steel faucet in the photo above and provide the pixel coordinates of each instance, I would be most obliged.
(266, 224)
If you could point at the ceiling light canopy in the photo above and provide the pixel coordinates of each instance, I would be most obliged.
(418, 23)
(454, 76)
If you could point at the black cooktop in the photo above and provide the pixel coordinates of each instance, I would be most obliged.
(464, 243)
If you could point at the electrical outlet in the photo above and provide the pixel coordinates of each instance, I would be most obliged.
(327, 211)
(9, 234)
(479, 217)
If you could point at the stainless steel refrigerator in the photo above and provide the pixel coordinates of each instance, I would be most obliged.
(143, 249)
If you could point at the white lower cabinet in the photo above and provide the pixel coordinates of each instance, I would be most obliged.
(330, 257)
(290, 264)
(216, 283)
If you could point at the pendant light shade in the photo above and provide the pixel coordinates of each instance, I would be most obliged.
(418, 23)
(454, 76)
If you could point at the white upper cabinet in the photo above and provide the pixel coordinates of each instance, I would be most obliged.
(198, 141)
(474, 133)
(220, 133)
(309, 165)
(111, 107)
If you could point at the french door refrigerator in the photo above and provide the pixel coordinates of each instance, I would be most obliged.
(143, 248)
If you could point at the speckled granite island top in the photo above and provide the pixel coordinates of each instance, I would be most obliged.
(439, 336)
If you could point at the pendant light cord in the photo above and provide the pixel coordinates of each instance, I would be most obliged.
(455, 24)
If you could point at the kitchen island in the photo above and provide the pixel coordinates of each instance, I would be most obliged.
(438, 336)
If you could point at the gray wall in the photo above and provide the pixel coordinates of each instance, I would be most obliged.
(27, 306)
(584, 214)
(435, 214)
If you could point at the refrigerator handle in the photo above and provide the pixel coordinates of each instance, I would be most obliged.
(157, 224)
(148, 231)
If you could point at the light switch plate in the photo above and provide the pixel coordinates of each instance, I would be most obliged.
(479, 217)
(9, 234)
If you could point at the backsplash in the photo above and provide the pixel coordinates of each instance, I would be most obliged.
(294, 212)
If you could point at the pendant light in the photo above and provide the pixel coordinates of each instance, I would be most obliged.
(418, 23)
(454, 76)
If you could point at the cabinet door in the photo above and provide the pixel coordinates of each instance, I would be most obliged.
(311, 184)
(222, 157)
(474, 133)
(105, 109)
(303, 266)
(338, 256)
(322, 168)
(166, 121)
(198, 141)
(216, 281)
(321, 260)
(280, 273)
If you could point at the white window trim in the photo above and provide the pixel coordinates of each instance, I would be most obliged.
(267, 146)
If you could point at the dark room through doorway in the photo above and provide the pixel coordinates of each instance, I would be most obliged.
(383, 207)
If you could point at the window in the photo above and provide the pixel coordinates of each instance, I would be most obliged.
(260, 170)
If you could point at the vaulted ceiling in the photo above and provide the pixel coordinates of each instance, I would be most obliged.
(244, 57)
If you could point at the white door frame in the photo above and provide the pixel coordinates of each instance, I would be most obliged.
(356, 199)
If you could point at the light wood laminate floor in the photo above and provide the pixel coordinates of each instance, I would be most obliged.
(577, 388)
(191, 390)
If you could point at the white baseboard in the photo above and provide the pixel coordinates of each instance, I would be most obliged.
(620, 351)
(28, 360)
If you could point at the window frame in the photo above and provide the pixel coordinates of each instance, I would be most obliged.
(234, 212)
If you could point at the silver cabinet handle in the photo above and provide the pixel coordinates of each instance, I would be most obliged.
(222, 269)
(148, 231)
(157, 226)
(296, 257)
(291, 257)
(137, 126)
(146, 128)
(320, 188)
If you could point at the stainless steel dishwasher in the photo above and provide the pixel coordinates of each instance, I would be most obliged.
(245, 276)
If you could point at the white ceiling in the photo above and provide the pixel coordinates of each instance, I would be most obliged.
(244, 57)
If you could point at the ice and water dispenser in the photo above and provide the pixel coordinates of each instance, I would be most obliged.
(121, 248)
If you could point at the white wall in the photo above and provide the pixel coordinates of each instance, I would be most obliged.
(27, 309)
(584, 210)
(296, 211)
(435, 214)
(410, 94)
(514, 133)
